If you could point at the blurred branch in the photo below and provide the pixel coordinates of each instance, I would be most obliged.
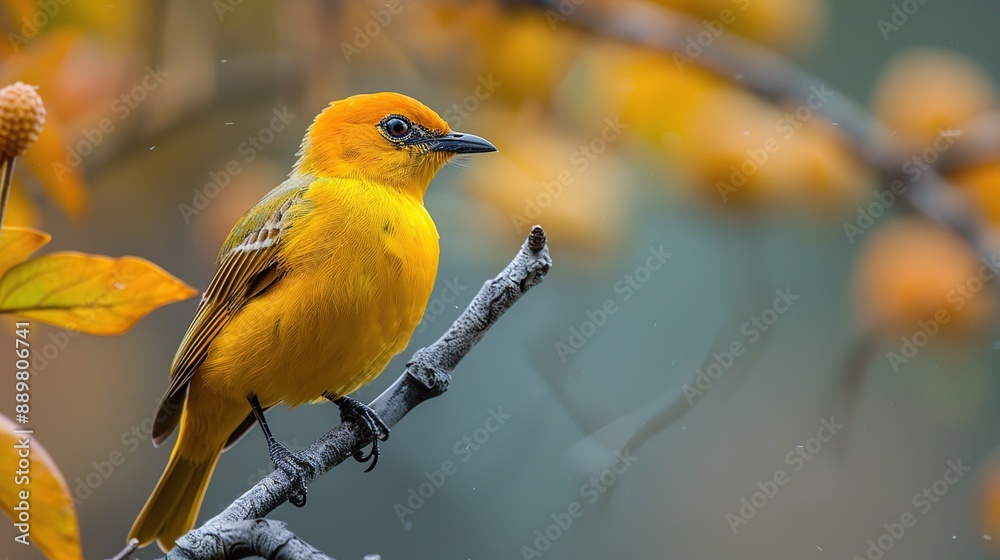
(587, 413)
(427, 375)
(245, 84)
(614, 432)
(779, 81)
(980, 145)
(776, 79)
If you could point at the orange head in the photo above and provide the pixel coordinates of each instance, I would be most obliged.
(386, 138)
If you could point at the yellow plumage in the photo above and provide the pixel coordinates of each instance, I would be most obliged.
(319, 285)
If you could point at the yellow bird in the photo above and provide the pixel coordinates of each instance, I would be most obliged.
(319, 285)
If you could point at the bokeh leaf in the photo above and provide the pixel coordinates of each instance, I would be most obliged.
(19, 243)
(47, 161)
(62, 182)
(35, 62)
(88, 293)
(53, 524)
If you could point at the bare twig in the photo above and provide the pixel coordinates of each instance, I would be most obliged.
(427, 375)
(130, 548)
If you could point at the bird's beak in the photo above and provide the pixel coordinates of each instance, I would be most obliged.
(460, 143)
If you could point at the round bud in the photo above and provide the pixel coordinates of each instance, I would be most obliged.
(22, 116)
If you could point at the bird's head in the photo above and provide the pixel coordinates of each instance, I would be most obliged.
(387, 138)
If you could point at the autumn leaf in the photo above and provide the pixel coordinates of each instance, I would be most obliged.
(89, 293)
(54, 529)
(17, 244)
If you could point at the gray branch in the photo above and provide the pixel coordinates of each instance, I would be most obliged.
(240, 529)
(245, 539)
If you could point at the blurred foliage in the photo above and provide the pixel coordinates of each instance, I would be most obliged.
(72, 290)
(910, 272)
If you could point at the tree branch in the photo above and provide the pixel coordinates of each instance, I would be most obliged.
(245, 539)
(779, 81)
(774, 78)
(980, 145)
(240, 527)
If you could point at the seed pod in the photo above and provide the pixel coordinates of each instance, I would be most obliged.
(22, 116)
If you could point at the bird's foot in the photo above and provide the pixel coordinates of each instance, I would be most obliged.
(355, 411)
(296, 469)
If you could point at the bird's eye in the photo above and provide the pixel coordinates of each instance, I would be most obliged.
(397, 127)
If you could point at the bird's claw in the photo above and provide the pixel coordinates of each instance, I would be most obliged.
(355, 411)
(296, 469)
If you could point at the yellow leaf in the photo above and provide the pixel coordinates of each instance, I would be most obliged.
(17, 244)
(50, 512)
(89, 293)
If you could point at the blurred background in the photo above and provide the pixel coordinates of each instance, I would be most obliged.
(788, 353)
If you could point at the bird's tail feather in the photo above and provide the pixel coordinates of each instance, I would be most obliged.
(173, 507)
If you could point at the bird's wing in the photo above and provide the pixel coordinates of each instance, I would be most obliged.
(248, 266)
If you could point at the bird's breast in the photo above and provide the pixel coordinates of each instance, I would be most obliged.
(360, 269)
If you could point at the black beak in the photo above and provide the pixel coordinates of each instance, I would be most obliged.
(460, 143)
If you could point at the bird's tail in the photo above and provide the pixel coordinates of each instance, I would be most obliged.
(173, 507)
